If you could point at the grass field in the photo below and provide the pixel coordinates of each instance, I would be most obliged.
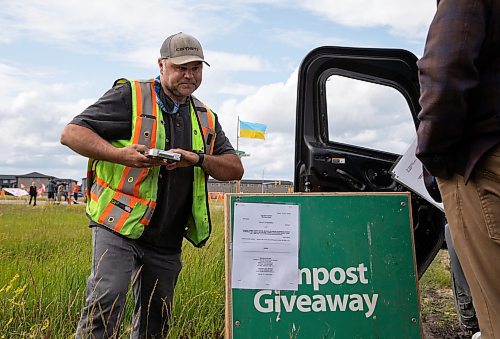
(45, 260)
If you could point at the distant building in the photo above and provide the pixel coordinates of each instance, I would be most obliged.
(250, 186)
(25, 180)
(8, 181)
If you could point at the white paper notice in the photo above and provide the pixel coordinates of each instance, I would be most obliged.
(265, 246)
(409, 172)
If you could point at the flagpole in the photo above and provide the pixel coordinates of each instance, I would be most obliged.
(238, 183)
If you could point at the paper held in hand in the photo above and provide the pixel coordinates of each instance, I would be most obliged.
(409, 172)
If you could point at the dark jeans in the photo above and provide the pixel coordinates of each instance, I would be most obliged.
(31, 198)
(116, 263)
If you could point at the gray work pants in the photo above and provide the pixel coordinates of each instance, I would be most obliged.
(461, 291)
(117, 262)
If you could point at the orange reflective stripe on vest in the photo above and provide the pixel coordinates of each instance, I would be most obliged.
(144, 133)
(207, 122)
(145, 124)
(149, 213)
(97, 189)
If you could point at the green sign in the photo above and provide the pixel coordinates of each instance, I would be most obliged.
(357, 276)
(242, 154)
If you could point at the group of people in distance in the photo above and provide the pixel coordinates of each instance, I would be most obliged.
(57, 192)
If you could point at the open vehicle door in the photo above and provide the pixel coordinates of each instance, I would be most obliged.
(356, 114)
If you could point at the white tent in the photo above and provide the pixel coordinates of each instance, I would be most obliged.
(17, 192)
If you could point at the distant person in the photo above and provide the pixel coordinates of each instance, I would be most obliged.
(60, 192)
(141, 208)
(33, 192)
(76, 189)
(459, 140)
(51, 191)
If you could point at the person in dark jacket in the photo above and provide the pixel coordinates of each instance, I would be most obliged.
(459, 140)
(51, 191)
(33, 193)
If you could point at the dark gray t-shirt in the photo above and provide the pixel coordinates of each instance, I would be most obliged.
(111, 118)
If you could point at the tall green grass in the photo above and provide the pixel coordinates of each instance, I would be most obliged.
(45, 257)
(435, 291)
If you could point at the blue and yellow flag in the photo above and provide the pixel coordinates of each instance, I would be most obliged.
(252, 130)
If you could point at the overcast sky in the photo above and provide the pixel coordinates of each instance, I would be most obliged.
(57, 57)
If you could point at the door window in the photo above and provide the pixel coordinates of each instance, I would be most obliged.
(369, 115)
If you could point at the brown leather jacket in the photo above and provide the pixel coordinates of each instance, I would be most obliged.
(460, 87)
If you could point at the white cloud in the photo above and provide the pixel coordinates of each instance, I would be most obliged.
(299, 38)
(236, 62)
(404, 18)
(123, 26)
(77, 24)
(31, 120)
(117, 26)
(119, 29)
(274, 106)
(237, 89)
(10, 83)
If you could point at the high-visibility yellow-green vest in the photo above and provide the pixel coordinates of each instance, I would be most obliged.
(124, 198)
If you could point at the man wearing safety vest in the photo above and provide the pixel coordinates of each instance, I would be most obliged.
(140, 208)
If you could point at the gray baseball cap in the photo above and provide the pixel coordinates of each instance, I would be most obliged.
(182, 48)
